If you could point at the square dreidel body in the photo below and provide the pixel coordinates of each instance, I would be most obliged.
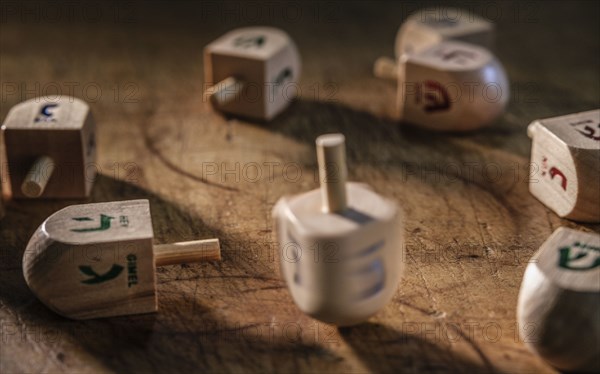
(452, 86)
(50, 148)
(94, 260)
(565, 164)
(341, 246)
(252, 72)
(340, 268)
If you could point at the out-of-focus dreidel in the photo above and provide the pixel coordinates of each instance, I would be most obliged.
(98, 260)
(559, 302)
(451, 86)
(341, 245)
(252, 72)
(565, 164)
(50, 148)
(430, 26)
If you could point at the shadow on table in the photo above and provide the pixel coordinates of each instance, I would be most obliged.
(186, 335)
(386, 350)
(371, 138)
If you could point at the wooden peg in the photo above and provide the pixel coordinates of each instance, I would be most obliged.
(187, 252)
(565, 164)
(386, 68)
(559, 301)
(333, 172)
(98, 260)
(225, 91)
(358, 237)
(37, 178)
(252, 71)
(50, 148)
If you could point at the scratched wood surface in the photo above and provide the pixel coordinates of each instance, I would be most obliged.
(470, 222)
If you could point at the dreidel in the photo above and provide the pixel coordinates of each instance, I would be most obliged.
(451, 87)
(50, 148)
(341, 245)
(98, 260)
(565, 164)
(559, 302)
(251, 72)
(430, 26)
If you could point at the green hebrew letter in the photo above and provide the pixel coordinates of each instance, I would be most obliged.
(566, 258)
(104, 224)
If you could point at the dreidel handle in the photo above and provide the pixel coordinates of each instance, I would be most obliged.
(333, 172)
(187, 252)
(224, 92)
(385, 68)
(38, 176)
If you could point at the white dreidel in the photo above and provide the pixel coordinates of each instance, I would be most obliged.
(97, 260)
(453, 87)
(50, 148)
(565, 164)
(559, 302)
(430, 26)
(341, 245)
(252, 72)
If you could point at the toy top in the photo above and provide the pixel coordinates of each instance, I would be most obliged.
(571, 260)
(64, 113)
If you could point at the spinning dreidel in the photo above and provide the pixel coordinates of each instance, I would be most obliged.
(565, 164)
(559, 301)
(252, 72)
(50, 148)
(341, 246)
(428, 27)
(452, 86)
(97, 260)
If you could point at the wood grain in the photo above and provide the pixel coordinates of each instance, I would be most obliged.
(471, 224)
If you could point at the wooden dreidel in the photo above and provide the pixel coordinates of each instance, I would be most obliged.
(559, 302)
(428, 27)
(452, 86)
(97, 260)
(50, 148)
(565, 164)
(341, 245)
(252, 72)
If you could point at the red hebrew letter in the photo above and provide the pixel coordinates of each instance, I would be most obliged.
(438, 100)
(563, 183)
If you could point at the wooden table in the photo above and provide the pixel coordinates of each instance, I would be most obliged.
(470, 223)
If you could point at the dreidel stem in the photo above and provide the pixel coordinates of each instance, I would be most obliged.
(385, 68)
(225, 91)
(187, 252)
(333, 172)
(38, 176)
